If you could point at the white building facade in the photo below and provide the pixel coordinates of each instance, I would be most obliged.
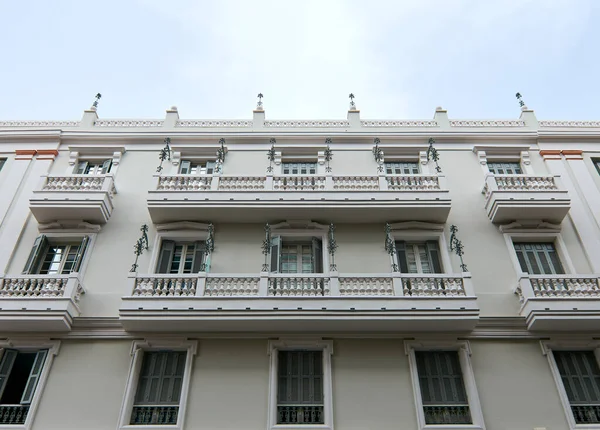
(272, 274)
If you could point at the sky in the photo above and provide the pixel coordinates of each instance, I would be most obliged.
(400, 58)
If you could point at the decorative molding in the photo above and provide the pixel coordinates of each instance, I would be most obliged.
(398, 123)
(299, 224)
(24, 154)
(332, 123)
(417, 225)
(487, 123)
(46, 154)
(164, 342)
(216, 123)
(73, 158)
(18, 342)
(129, 123)
(521, 225)
(482, 156)
(291, 342)
(550, 154)
(525, 158)
(116, 158)
(75, 226)
(97, 151)
(570, 342)
(182, 225)
(423, 158)
(35, 123)
(572, 154)
(579, 124)
(176, 158)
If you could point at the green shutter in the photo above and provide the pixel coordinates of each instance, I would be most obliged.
(82, 168)
(433, 252)
(317, 255)
(275, 254)
(161, 378)
(166, 256)
(80, 254)
(401, 253)
(210, 167)
(300, 378)
(8, 359)
(34, 377)
(185, 167)
(538, 258)
(198, 256)
(580, 376)
(36, 255)
(440, 378)
(106, 165)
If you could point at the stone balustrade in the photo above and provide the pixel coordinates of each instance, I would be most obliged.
(302, 285)
(33, 286)
(76, 183)
(550, 286)
(308, 183)
(525, 183)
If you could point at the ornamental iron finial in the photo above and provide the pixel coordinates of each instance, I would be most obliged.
(332, 247)
(519, 98)
(457, 246)
(209, 246)
(259, 104)
(328, 153)
(432, 154)
(140, 246)
(378, 154)
(97, 97)
(165, 154)
(390, 246)
(352, 104)
(271, 154)
(220, 156)
(266, 247)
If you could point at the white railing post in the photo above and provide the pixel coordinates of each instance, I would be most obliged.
(131, 278)
(71, 285)
(269, 182)
(468, 284)
(443, 184)
(156, 182)
(525, 286)
(201, 284)
(383, 182)
(214, 182)
(42, 183)
(329, 182)
(107, 183)
(263, 285)
(397, 284)
(558, 182)
(334, 284)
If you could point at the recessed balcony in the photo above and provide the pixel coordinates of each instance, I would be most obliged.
(37, 303)
(357, 199)
(524, 197)
(74, 197)
(301, 303)
(560, 302)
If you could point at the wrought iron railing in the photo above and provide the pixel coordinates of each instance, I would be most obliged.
(13, 414)
(300, 414)
(141, 415)
(586, 414)
(447, 414)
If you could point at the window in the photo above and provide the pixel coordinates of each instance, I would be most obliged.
(180, 257)
(159, 388)
(444, 385)
(158, 383)
(402, 168)
(2, 161)
(580, 377)
(505, 168)
(418, 257)
(538, 258)
(299, 168)
(19, 376)
(300, 387)
(188, 167)
(290, 255)
(442, 388)
(596, 162)
(57, 258)
(93, 167)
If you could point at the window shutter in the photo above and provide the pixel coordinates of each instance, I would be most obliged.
(300, 377)
(198, 256)
(80, 254)
(81, 168)
(440, 378)
(34, 376)
(210, 167)
(35, 256)
(433, 252)
(166, 256)
(538, 258)
(275, 254)
(149, 383)
(8, 359)
(401, 253)
(106, 165)
(580, 376)
(184, 167)
(317, 255)
(172, 378)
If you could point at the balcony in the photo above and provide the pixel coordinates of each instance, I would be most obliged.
(74, 197)
(38, 303)
(327, 197)
(560, 302)
(300, 303)
(523, 197)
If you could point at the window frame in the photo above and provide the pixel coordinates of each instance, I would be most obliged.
(554, 237)
(138, 348)
(300, 163)
(199, 163)
(463, 348)
(32, 345)
(420, 234)
(296, 234)
(506, 162)
(309, 344)
(548, 347)
(2, 163)
(97, 163)
(178, 232)
(491, 155)
(95, 155)
(402, 161)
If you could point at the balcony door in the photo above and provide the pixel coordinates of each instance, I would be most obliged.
(296, 255)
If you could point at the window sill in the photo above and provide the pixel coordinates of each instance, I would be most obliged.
(301, 426)
(146, 427)
(452, 427)
(586, 427)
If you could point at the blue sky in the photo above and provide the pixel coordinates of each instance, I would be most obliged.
(401, 58)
